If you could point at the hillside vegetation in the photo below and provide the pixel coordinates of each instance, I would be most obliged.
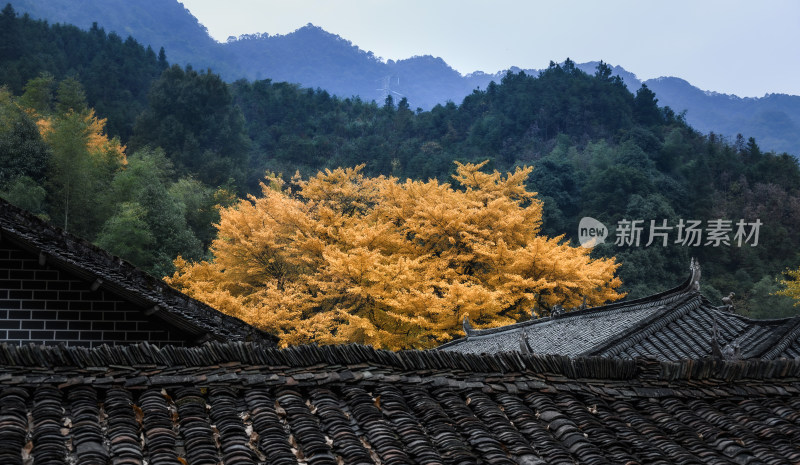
(315, 58)
(192, 142)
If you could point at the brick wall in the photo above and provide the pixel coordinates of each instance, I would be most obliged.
(43, 305)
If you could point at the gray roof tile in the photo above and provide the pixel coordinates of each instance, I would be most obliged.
(673, 325)
(131, 404)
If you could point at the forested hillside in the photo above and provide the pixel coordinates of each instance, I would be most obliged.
(115, 72)
(188, 141)
(156, 23)
(315, 58)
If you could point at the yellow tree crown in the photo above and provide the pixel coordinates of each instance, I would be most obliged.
(393, 264)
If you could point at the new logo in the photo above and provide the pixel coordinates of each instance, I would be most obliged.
(591, 232)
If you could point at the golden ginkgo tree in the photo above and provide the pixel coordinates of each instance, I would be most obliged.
(348, 258)
(791, 285)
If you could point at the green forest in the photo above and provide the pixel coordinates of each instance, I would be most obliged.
(107, 140)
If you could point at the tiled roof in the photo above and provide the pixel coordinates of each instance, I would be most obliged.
(87, 261)
(674, 325)
(240, 403)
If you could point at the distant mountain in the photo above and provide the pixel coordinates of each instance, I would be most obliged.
(314, 58)
(309, 56)
(774, 120)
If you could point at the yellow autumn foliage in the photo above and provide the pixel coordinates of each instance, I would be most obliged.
(791, 286)
(347, 258)
(98, 144)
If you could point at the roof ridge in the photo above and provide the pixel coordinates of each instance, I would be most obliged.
(43, 361)
(647, 326)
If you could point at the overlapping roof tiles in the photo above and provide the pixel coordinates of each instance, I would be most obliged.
(674, 325)
(240, 403)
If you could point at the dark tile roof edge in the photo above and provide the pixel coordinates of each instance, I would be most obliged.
(686, 288)
(757, 321)
(772, 347)
(788, 329)
(43, 361)
(676, 309)
(79, 256)
(630, 305)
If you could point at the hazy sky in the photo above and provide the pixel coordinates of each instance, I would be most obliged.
(747, 48)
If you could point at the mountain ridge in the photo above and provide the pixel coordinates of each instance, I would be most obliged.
(313, 57)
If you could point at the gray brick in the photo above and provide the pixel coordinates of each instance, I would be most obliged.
(44, 315)
(47, 275)
(57, 286)
(52, 324)
(20, 295)
(79, 305)
(32, 304)
(67, 335)
(91, 335)
(10, 324)
(32, 324)
(50, 335)
(21, 274)
(20, 335)
(83, 325)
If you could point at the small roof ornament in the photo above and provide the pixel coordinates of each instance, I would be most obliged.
(730, 351)
(557, 310)
(524, 345)
(694, 268)
(728, 301)
(467, 326)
